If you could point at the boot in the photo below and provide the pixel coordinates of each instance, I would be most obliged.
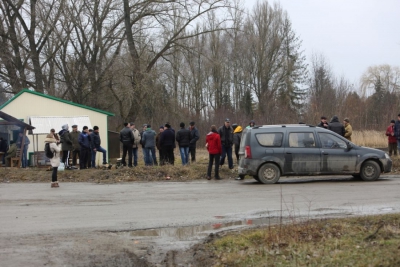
(53, 184)
(56, 184)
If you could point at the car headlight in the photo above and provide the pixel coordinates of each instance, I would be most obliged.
(387, 156)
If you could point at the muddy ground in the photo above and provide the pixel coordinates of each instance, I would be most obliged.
(96, 248)
(112, 248)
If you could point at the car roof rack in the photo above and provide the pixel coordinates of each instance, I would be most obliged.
(283, 125)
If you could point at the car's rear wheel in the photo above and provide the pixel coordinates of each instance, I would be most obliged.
(370, 171)
(269, 173)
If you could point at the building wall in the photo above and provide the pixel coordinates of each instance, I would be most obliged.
(27, 105)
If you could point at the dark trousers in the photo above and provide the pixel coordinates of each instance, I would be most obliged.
(65, 158)
(237, 153)
(125, 149)
(84, 157)
(162, 157)
(227, 151)
(168, 152)
(76, 154)
(213, 158)
(192, 151)
(393, 148)
(54, 174)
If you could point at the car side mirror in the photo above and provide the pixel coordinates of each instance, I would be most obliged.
(349, 146)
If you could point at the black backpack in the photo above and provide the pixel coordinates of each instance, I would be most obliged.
(47, 150)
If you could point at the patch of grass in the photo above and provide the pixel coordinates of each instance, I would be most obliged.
(361, 241)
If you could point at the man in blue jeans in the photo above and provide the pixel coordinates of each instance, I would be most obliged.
(96, 141)
(25, 151)
(149, 142)
(136, 135)
(397, 131)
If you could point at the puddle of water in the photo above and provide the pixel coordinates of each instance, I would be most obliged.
(387, 209)
(198, 231)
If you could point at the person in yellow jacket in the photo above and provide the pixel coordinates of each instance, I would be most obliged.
(237, 137)
(11, 153)
(348, 130)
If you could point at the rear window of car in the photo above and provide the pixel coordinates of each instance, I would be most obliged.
(270, 139)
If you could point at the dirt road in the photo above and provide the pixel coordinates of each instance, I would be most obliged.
(139, 224)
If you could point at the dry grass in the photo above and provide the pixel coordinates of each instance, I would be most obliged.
(177, 172)
(362, 241)
(376, 139)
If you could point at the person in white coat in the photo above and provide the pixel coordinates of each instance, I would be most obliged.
(55, 160)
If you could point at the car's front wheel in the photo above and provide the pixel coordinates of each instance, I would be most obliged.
(269, 173)
(370, 171)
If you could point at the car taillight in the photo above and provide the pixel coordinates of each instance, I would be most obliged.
(247, 152)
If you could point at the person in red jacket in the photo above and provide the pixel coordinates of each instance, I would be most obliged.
(213, 144)
(392, 138)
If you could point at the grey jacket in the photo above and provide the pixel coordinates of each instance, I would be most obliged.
(149, 138)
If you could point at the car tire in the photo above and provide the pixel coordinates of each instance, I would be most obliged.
(370, 171)
(256, 178)
(269, 173)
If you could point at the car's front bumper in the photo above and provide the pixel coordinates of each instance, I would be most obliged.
(387, 164)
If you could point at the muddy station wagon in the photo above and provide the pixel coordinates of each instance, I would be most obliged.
(271, 151)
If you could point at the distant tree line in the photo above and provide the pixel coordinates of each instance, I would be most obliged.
(178, 60)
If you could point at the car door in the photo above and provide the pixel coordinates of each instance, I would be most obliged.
(302, 155)
(336, 157)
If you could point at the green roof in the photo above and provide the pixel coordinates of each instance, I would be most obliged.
(56, 99)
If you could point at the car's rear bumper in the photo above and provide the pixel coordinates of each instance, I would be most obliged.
(248, 167)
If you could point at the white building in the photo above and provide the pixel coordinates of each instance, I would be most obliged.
(45, 112)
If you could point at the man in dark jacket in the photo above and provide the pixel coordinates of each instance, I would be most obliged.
(95, 144)
(85, 154)
(183, 139)
(397, 131)
(127, 139)
(336, 126)
(149, 142)
(159, 148)
(76, 148)
(167, 143)
(194, 137)
(66, 145)
(226, 134)
(3, 148)
(323, 123)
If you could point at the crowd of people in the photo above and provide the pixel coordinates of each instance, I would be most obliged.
(221, 143)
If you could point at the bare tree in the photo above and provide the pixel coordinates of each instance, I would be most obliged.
(388, 77)
(167, 21)
(30, 24)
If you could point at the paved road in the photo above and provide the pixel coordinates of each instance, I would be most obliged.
(36, 212)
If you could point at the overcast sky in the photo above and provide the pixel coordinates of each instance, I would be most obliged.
(351, 34)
